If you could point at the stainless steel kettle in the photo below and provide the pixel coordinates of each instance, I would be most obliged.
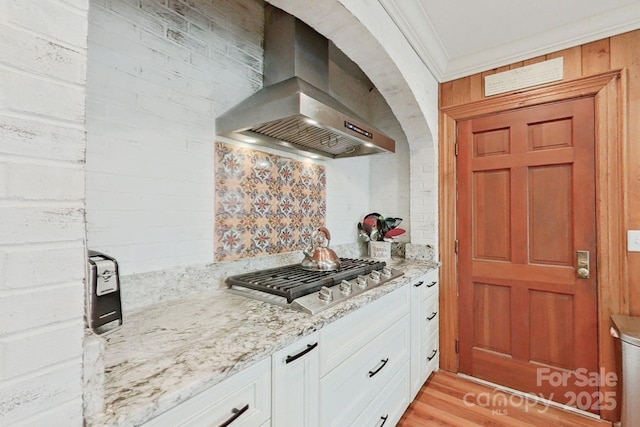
(319, 257)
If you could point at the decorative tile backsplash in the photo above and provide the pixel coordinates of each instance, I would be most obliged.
(265, 204)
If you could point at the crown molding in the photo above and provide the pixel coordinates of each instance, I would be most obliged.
(414, 23)
(427, 45)
(616, 21)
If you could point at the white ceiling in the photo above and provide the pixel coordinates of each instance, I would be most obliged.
(456, 38)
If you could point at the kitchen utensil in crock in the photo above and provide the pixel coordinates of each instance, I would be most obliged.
(394, 232)
(382, 228)
(362, 234)
(319, 257)
(369, 223)
(393, 222)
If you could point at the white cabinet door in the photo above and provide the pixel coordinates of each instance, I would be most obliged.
(296, 382)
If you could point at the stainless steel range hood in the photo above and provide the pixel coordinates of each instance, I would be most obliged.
(294, 111)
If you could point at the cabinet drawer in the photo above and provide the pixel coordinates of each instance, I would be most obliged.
(430, 356)
(250, 389)
(387, 408)
(429, 322)
(426, 284)
(346, 336)
(350, 387)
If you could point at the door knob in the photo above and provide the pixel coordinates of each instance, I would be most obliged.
(582, 268)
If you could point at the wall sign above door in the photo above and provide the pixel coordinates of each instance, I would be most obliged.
(519, 78)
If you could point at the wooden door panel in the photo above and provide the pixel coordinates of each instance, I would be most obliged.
(492, 332)
(526, 204)
(551, 215)
(549, 135)
(491, 143)
(552, 315)
(491, 213)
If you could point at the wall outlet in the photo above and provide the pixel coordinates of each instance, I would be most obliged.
(633, 240)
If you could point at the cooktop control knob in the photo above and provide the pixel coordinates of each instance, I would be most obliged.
(374, 277)
(345, 288)
(325, 294)
(361, 282)
(386, 272)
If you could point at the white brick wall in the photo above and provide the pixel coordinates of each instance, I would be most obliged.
(159, 72)
(390, 192)
(348, 198)
(42, 225)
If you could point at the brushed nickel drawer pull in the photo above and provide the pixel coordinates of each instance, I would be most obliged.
(236, 414)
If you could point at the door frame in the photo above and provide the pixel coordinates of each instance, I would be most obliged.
(609, 91)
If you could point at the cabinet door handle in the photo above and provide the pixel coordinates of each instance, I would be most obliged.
(432, 284)
(384, 362)
(433, 354)
(420, 283)
(236, 414)
(310, 347)
(384, 420)
(434, 314)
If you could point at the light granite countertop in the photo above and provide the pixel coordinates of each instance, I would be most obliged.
(169, 352)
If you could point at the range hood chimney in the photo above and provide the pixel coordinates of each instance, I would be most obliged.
(294, 111)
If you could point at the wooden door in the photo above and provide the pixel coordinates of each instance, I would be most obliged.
(526, 204)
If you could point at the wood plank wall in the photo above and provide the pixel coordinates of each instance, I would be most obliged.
(618, 52)
(614, 53)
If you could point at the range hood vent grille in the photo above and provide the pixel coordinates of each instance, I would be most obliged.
(297, 131)
(295, 111)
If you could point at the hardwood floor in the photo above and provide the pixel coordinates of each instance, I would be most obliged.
(449, 400)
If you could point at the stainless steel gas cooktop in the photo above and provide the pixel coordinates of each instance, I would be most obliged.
(312, 291)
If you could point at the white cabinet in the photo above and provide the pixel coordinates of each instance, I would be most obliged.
(424, 329)
(243, 400)
(296, 380)
(360, 357)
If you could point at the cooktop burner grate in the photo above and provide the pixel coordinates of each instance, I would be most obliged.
(292, 281)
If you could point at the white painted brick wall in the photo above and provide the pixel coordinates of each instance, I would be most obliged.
(390, 192)
(348, 198)
(159, 72)
(42, 225)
